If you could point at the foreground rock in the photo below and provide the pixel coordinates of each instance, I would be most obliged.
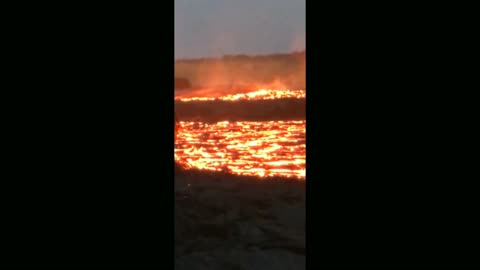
(224, 221)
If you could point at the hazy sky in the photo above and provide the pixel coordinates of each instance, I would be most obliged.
(216, 27)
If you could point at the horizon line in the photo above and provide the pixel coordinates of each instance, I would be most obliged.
(239, 54)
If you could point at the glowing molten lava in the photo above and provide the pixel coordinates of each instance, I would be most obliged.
(261, 94)
(275, 148)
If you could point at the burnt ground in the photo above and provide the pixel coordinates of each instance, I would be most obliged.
(225, 221)
(246, 110)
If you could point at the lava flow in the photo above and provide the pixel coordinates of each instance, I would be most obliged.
(275, 148)
(261, 94)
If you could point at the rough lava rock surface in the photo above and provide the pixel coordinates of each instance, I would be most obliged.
(225, 221)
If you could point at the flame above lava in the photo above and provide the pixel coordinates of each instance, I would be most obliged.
(261, 94)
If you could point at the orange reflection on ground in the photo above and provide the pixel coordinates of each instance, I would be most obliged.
(275, 148)
(261, 94)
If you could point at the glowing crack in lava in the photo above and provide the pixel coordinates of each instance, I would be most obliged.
(275, 148)
(261, 94)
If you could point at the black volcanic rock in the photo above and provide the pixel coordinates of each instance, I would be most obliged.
(225, 221)
(246, 110)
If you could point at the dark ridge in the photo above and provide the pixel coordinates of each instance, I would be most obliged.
(246, 110)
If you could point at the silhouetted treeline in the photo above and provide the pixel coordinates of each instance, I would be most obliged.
(243, 57)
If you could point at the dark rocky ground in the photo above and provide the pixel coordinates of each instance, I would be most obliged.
(225, 221)
(258, 110)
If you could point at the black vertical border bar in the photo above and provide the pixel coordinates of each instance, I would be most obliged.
(90, 153)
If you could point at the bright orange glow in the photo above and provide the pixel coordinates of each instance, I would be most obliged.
(275, 148)
(261, 94)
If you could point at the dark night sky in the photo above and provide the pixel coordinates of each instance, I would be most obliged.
(206, 28)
